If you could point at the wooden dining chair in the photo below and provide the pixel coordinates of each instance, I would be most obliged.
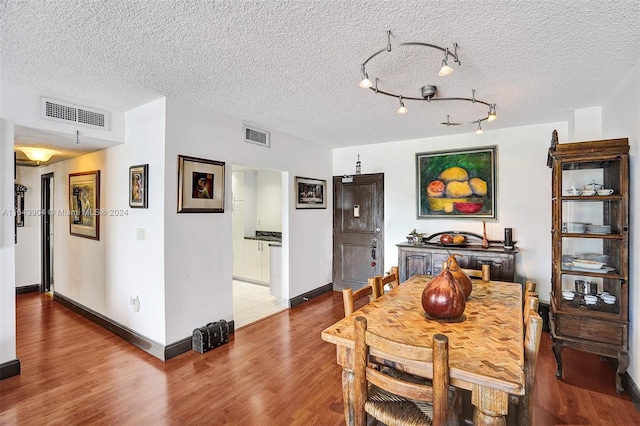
(396, 398)
(391, 280)
(351, 298)
(484, 274)
(531, 349)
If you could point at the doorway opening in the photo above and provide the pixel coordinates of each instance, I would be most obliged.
(257, 206)
(46, 234)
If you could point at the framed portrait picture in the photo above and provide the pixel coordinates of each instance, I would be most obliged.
(84, 204)
(310, 193)
(138, 186)
(200, 185)
(457, 184)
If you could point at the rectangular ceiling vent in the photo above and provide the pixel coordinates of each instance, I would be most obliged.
(65, 112)
(256, 136)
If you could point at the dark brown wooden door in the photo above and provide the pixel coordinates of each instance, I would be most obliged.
(358, 230)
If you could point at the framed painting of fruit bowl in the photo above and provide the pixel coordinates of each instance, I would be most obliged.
(457, 184)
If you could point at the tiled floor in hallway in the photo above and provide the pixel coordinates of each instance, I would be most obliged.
(252, 302)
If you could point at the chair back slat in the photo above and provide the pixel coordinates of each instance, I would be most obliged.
(350, 297)
(484, 274)
(392, 279)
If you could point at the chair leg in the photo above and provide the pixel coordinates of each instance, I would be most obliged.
(525, 411)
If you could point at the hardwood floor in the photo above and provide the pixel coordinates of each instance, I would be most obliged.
(274, 372)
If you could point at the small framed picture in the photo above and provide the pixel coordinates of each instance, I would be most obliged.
(200, 185)
(84, 204)
(138, 186)
(310, 193)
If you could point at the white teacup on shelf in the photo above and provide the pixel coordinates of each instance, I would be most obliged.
(593, 186)
(573, 191)
(588, 192)
(605, 191)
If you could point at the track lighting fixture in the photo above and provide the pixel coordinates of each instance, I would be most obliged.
(479, 130)
(428, 92)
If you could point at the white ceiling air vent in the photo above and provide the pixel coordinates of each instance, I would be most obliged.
(64, 112)
(256, 136)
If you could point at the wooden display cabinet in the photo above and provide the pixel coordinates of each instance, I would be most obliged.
(593, 227)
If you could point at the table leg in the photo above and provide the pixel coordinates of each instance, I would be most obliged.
(345, 360)
(491, 406)
(347, 396)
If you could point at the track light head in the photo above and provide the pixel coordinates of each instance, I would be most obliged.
(403, 109)
(445, 70)
(492, 113)
(365, 83)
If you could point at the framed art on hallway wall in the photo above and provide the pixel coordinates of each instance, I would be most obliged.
(84, 204)
(138, 186)
(310, 193)
(200, 185)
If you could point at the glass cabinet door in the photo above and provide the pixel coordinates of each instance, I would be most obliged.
(591, 237)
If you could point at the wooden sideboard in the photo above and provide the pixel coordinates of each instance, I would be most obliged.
(426, 258)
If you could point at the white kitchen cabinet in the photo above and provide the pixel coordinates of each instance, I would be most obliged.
(266, 262)
(256, 261)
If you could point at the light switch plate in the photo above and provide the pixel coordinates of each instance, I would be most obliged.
(141, 234)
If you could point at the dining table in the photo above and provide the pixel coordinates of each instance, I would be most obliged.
(486, 343)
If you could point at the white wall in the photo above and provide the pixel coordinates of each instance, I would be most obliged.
(587, 124)
(7, 245)
(307, 235)
(198, 249)
(28, 248)
(524, 191)
(102, 275)
(621, 118)
(269, 201)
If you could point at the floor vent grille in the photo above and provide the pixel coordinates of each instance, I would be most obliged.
(69, 113)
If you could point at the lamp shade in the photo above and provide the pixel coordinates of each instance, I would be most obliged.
(38, 154)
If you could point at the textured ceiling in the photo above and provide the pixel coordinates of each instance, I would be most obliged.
(294, 66)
